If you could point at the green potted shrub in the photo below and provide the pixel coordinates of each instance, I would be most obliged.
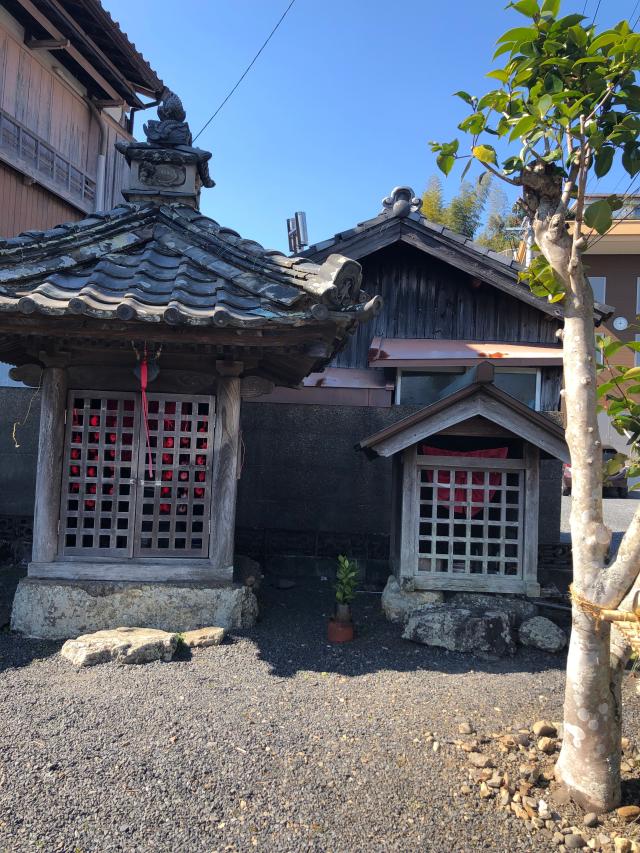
(341, 627)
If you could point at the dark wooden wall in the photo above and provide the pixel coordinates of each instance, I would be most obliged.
(426, 298)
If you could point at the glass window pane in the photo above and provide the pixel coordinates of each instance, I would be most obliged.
(522, 386)
(422, 388)
(599, 286)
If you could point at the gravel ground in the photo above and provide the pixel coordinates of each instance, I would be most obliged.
(273, 741)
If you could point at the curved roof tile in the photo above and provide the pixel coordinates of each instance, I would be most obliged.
(171, 264)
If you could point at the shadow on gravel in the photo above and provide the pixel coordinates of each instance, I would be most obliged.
(292, 637)
(17, 651)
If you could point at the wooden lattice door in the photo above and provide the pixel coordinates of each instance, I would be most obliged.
(172, 510)
(471, 517)
(129, 491)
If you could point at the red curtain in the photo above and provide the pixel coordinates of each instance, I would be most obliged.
(460, 477)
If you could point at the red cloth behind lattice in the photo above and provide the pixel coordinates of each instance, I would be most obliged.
(477, 477)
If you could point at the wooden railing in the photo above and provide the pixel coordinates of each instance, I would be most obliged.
(29, 154)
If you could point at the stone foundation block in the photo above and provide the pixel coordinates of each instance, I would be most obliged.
(398, 604)
(59, 609)
(460, 629)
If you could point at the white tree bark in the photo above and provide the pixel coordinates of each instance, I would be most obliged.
(589, 763)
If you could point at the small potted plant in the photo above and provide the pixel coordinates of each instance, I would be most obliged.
(341, 627)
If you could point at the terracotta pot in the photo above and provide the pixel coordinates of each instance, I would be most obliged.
(339, 632)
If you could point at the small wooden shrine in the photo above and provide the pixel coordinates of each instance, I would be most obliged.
(144, 326)
(466, 488)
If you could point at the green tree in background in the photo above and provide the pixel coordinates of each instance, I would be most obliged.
(501, 217)
(463, 214)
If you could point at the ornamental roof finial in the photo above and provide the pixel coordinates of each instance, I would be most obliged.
(401, 202)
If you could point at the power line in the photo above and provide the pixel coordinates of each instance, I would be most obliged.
(595, 14)
(247, 69)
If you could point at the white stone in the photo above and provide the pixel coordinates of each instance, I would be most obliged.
(123, 645)
(202, 637)
(542, 633)
(397, 605)
(59, 609)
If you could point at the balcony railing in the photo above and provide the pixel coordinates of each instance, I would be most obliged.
(31, 155)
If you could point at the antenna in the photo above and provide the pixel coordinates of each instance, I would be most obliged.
(297, 231)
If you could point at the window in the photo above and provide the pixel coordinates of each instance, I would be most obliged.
(599, 287)
(422, 387)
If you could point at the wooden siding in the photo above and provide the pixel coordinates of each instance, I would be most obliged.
(426, 298)
(26, 207)
(53, 110)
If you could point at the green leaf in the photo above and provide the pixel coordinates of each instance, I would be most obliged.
(604, 160)
(526, 7)
(556, 297)
(499, 74)
(602, 41)
(445, 162)
(631, 159)
(465, 97)
(598, 215)
(634, 373)
(484, 153)
(522, 127)
(518, 36)
(551, 7)
(590, 60)
(604, 388)
(612, 348)
(544, 105)
(473, 124)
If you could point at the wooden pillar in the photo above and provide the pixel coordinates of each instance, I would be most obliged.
(53, 406)
(409, 523)
(225, 468)
(530, 521)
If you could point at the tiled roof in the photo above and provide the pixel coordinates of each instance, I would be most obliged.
(171, 264)
(402, 221)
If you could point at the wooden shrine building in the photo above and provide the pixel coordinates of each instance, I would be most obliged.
(466, 488)
(144, 326)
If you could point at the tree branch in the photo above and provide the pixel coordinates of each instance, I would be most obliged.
(621, 575)
(512, 181)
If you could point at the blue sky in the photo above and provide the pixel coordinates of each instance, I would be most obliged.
(340, 106)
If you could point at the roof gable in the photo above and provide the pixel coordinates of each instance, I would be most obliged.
(478, 399)
(402, 222)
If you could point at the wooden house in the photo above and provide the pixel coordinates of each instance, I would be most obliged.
(70, 84)
(448, 305)
(144, 326)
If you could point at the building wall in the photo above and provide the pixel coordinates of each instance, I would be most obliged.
(426, 298)
(50, 135)
(622, 273)
(306, 495)
(26, 207)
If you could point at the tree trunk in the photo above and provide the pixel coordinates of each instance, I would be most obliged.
(589, 763)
